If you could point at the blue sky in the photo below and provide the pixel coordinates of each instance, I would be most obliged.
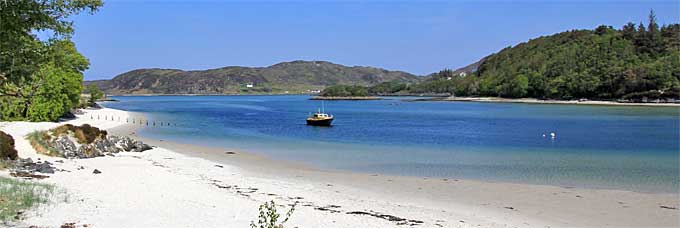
(419, 37)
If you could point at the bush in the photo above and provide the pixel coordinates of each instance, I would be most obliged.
(269, 217)
(85, 134)
(7, 150)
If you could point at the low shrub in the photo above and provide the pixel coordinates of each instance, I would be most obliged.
(269, 217)
(85, 134)
(7, 150)
(63, 129)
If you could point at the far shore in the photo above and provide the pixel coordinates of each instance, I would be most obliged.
(346, 98)
(440, 98)
(539, 101)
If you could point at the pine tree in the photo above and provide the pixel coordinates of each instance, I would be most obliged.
(628, 31)
(654, 45)
(670, 35)
(641, 39)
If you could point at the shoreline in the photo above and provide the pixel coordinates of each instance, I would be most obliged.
(333, 98)
(173, 183)
(436, 98)
(435, 192)
(251, 160)
(538, 101)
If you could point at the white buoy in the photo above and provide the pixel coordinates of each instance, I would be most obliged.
(552, 135)
(543, 135)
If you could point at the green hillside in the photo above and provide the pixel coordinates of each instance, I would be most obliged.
(604, 63)
(636, 62)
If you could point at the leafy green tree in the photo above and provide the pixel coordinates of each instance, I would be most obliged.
(94, 92)
(40, 79)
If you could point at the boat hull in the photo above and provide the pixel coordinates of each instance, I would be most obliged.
(326, 122)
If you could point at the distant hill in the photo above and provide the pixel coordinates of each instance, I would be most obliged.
(460, 72)
(469, 69)
(294, 77)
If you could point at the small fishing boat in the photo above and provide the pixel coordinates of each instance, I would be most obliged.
(320, 118)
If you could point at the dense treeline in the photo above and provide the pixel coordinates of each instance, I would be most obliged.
(604, 63)
(630, 63)
(40, 80)
(345, 91)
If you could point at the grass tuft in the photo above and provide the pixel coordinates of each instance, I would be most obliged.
(39, 140)
(18, 196)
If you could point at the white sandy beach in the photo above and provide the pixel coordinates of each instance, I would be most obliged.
(176, 185)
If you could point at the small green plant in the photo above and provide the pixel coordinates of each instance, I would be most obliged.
(17, 196)
(40, 142)
(269, 217)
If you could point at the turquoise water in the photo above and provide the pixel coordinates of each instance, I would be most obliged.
(633, 148)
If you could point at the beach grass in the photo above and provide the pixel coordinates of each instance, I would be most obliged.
(38, 140)
(17, 196)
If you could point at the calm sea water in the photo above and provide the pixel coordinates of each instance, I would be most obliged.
(634, 148)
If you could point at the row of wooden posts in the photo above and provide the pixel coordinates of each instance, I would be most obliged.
(135, 121)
